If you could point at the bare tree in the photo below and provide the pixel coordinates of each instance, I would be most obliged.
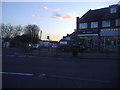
(3, 28)
(9, 31)
(32, 33)
(18, 30)
(29, 33)
(32, 30)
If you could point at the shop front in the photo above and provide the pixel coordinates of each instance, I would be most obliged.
(110, 39)
(89, 40)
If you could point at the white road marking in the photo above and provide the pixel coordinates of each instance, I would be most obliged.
(41, 76)
(25, 74)
(77, 78)
(31, 56)
(21, 56)
(10, 55)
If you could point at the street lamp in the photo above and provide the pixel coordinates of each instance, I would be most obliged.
(40, 34)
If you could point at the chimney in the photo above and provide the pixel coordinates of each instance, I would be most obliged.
(77, 23)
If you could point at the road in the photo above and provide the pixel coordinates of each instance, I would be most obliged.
(52, 72)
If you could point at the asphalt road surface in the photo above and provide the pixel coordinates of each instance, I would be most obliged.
(52, 72)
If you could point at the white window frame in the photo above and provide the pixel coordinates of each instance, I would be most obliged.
(106, 23)
(117, 22)
(82, 25)
(94, 24)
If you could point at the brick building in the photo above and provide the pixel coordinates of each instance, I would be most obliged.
(100, 28)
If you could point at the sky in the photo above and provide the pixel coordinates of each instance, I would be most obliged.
(55, 19)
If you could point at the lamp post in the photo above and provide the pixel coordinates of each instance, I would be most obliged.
(40, 34)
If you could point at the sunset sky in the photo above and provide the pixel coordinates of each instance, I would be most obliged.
(55, 19)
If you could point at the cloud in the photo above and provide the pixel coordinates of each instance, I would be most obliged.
(38, 16)
(57, 16)
(68, 16)
(57, 10)
(44, 8)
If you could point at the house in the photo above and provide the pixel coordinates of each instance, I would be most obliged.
(70, 39)
(100, 28)
(72, 36)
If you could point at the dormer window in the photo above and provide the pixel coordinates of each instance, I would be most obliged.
(113, 10)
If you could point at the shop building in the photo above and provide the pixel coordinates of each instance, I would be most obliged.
(100, 28)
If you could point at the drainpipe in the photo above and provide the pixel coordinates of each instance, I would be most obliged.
(99, 40)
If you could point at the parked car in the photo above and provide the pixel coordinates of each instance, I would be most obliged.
(54, 46)
(35, 46)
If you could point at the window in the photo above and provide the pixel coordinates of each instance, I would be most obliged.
(117, 22)
(106, 23)
(94, 24)
(113, 10)
(82, 25)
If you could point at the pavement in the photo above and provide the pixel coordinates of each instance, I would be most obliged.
(52, 53)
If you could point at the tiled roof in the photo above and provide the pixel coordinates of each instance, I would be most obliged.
(72, 35)
(99, 14)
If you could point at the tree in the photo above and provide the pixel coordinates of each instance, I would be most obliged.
(3, 28)
(28, 34)
(9, 31)
(32, 32)
(18, 30)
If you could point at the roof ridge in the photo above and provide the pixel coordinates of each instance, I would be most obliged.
(100, 9)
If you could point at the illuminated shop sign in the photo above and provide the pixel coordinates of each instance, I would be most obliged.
(110, 32)
(89, 31)
(87, 34)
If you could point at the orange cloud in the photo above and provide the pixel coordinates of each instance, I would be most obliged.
(69, 16)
